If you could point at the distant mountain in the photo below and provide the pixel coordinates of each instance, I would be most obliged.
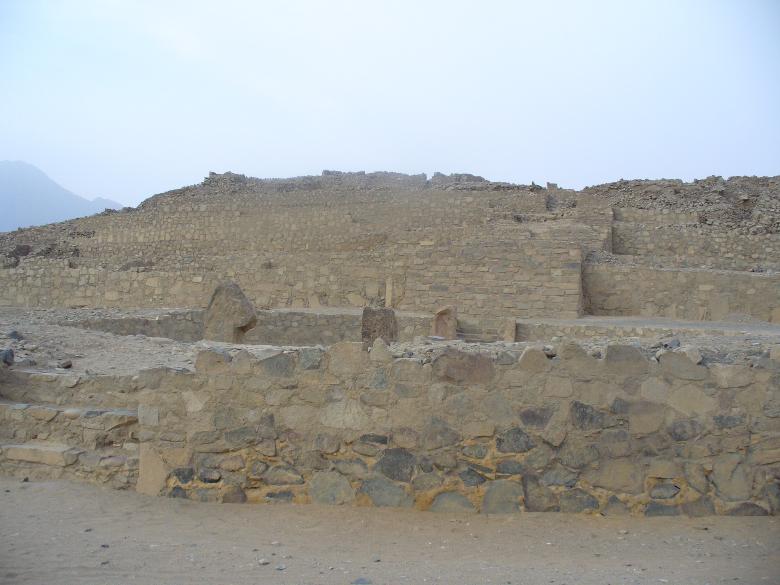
(29, 197)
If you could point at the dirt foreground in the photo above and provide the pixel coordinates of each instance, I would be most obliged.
(61, 533)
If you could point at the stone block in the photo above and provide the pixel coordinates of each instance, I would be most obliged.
(329, 487)
(282, 475)
(42, 413)
(730, 477)
(464, 367)
(378, 323)
(445, 323)
(437, 434)
(625, 360)
(577, 454)
(344, 414)
(679, 365)
(659, 509)
(230, 314)
(310, 358)
(148, 416)
(698, 508)
(383, 492)
(585, 417)
(354, 468)
(380, 353)
(615, 507)
(534, 360)
(451, 503)
(514, 440)
(645, 417)
(53, 454)
(326, 443)
(731, 376)
(617, 475)
(577, 500)
(537, 497)
(558, 475)
(479, 429)
(502, 496)
(152, 471)
(397, 464)
(346, 358)
(212, 362)
(691, 400)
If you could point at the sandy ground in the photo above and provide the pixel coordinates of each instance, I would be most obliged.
(65, 533)
(97, 352)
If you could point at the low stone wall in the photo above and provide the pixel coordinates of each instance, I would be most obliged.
(699, 295)
(508, 429)
(88, 444)
(467, 431)
(274, 327)
(323, 327)
(179, 325)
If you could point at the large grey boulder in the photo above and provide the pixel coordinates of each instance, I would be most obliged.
(230, 314)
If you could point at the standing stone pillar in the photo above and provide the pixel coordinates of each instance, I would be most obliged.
(379, 323)
(445, 323)
(230, 314)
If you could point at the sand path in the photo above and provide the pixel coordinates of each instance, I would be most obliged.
(65, 533)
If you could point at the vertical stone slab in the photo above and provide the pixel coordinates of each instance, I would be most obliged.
(378, 323)
(152, 472)
(445, 323)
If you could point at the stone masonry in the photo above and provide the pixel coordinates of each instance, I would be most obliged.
(447, 343)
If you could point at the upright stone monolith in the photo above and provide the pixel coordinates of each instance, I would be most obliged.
(230, 314)
(377, 323)
(445, 323)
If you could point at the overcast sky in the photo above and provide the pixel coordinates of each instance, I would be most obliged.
(124, 99)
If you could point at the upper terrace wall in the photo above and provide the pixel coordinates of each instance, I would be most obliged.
(486, 280)
(692, 245)
(699, 295)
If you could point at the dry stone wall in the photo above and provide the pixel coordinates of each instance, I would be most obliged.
(697, 246)
(447, 430)
(693, 294)
(274, 326)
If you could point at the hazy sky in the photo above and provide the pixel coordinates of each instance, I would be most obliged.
(124, 99)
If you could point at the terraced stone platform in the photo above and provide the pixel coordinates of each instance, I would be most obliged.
(612, 350)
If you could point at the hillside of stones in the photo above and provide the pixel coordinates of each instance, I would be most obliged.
(743, 205)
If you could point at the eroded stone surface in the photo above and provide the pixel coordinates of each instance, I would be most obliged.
(230, 314)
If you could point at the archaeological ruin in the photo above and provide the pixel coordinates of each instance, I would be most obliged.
(378, 339)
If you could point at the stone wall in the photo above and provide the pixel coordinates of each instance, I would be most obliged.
(179, 325)
(700, 245)
(274, 326)
(486, 279)
(448, 430)
(655, 217)
(704, 295)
